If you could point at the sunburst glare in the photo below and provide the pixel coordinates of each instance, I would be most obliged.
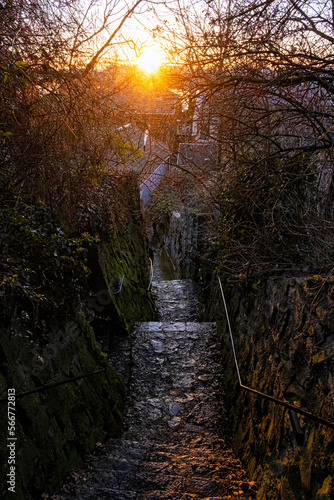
(150, 59)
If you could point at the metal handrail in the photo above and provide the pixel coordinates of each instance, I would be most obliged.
(151, 278)
(120, 285)
(55, 384)
(318, 419)
(73, 379)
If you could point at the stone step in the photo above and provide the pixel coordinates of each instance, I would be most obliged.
(173, 447)
(126, 447)
(143, 481)
(174, 325)
(204, 487)
(200, 465)
(105, 493)
(106, 479)
(191, 468)
(166, 452)
(165, 495)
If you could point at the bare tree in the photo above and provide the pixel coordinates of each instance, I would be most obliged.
(58, 99)
(265, 69)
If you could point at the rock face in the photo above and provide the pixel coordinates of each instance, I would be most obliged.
(54, 428)
(176, 445)
(57, 427)
(181, 241)
(283, 331)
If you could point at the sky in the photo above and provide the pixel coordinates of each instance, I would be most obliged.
(139, 45)
(148, 54)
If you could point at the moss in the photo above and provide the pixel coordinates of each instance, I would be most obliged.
(19, 493)
(40, 426)
(320, 357)
(63, 411)
(285, 361)
(50, 470)
(113, 427)
(134, 303)
(82, 424)
(64, 362)
(19, 374)
(51, 397)
(30, 405)
(326, 491)
(47, 479)
(56, 436)
(73, 458)
(27, 457)
(3, 384)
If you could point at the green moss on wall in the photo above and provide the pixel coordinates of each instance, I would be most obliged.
(134, 303)
(57, 427)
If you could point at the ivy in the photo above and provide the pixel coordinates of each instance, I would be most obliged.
(43, 268)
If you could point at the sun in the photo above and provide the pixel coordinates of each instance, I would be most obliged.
(150, 59)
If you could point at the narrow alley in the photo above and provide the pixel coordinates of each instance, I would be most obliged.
(176, 444)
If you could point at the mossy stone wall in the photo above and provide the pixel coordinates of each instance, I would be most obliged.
(126, 253)
(134, 302)
(283, 330)
(181, 241)
(56, 427)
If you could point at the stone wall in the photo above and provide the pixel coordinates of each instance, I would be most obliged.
(283, 331)
(126, 254)
(57, 427)
(182, 240)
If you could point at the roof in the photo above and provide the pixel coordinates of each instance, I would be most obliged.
(197, 153)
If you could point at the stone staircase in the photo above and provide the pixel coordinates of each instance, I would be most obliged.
(176, 444)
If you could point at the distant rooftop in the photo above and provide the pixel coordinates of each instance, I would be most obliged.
(197, 154)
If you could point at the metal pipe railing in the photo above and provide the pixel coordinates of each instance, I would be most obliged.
(151, 277)
(73, 379)
(55, 384)
(120, 285)
(290, 406)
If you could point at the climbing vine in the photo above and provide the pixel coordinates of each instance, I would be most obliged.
(43, 269)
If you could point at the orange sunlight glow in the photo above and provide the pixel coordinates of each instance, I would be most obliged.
(150, 59)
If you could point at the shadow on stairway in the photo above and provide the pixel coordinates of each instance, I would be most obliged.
(176, 444)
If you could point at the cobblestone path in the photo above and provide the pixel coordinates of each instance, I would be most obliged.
(176, 444)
